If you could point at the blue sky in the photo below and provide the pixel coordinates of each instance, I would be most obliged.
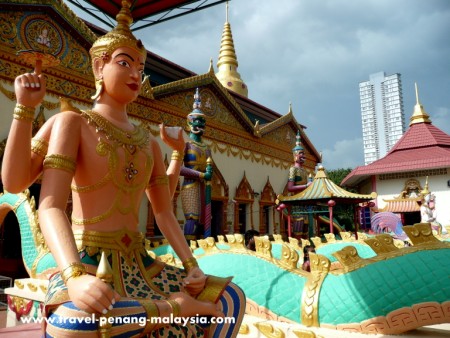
(314, 54)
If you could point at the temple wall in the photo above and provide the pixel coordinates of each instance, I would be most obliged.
(391, 188)
(233, 170)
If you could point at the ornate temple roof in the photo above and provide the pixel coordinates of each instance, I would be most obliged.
(166, 77)
(207, 79)
(56, 9)
(289, 119)
(323, 189)
(423, 146)
(210, 80)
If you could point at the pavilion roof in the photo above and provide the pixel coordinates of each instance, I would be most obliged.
(402, 205)
(323, 189)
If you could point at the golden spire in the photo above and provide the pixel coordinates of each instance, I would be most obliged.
(226, 14)
(227, 63)
(419, 115)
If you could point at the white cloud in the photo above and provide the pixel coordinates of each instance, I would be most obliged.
(441, 119)
(345, 154)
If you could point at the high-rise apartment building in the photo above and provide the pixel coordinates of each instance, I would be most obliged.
(382, 114)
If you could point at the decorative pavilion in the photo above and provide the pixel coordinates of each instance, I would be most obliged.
(322, 192)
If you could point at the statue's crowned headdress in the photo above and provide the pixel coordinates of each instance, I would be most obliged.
(197, 106)
(120, 36)
(298, 146)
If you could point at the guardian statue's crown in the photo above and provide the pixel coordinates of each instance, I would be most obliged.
(298, 145)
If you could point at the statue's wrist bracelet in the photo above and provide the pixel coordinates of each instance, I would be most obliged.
(73, 270)
(176, 309)
(190, 263)
(22, 112)
(176, 156)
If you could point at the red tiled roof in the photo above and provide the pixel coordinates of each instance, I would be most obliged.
(423, 146)
(421, 135)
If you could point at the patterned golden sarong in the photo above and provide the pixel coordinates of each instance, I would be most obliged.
(137, 276)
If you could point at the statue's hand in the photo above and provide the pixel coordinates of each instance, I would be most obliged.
(90, 294)
(167, 135)
(195, 281)
(191, 307)
(30, 89)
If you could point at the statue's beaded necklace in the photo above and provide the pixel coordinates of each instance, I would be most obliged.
(127, 173)
(137, 138)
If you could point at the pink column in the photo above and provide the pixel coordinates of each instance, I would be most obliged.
(331, 204)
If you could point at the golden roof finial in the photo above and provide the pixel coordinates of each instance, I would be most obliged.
(226, 17)
(419, 115)
(211, 67)
(120, 36)
(227, 63)
(425, 190)
(320, 172)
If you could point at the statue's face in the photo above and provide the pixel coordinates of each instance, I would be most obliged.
(299, 157)
(198, 125)
(122, 75)
(431, 204)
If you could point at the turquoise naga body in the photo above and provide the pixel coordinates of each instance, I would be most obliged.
(376, 288)
(370, 287)
(37, 259)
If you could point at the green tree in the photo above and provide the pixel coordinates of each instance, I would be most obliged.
(342, 212)
(338, 175)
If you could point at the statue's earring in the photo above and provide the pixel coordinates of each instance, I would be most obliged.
(98, 88)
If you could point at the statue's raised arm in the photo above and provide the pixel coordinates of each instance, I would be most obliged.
(22, 161)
